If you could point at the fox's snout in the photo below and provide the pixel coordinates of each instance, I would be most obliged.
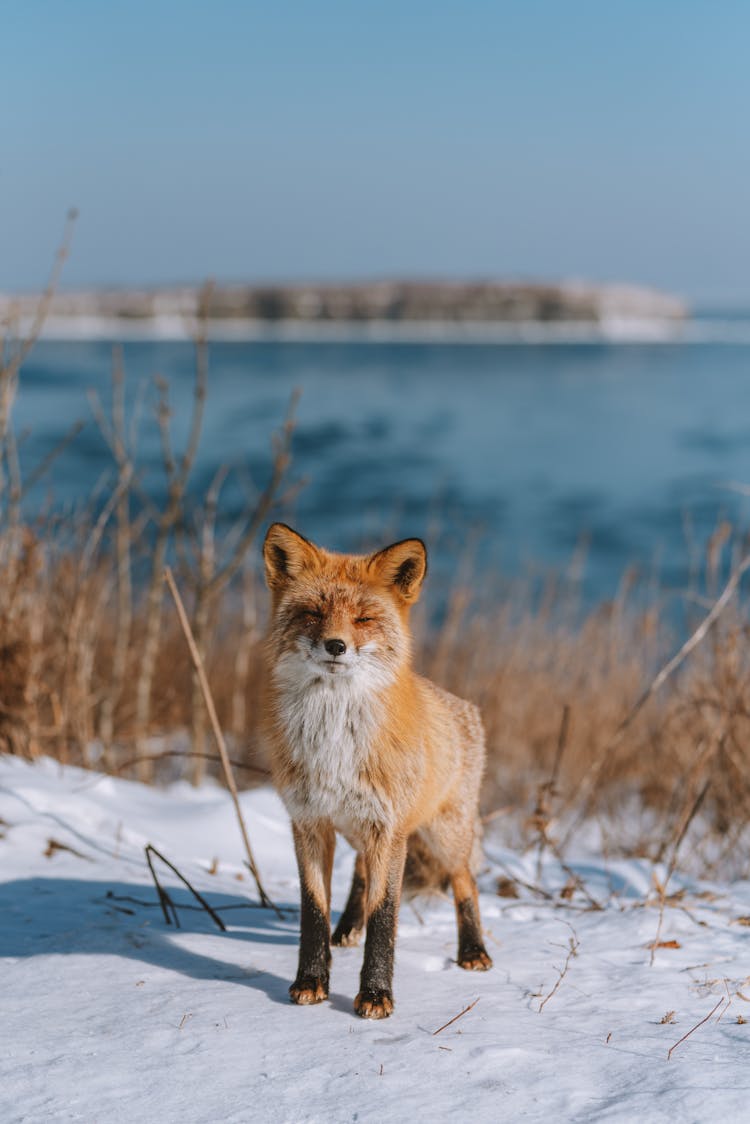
(332, 645)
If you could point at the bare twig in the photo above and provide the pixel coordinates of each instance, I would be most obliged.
(214, 720)
(546, 792)
(165, 899)
(10, 368)
(662, 886)
(202, 612)
(46, 463)
(539, 890)
(15, 491)
(54, 845)
(243, 650)
(112, 896)
(573, 946)
(697, 1025)
(124, 459)
(460, 1015)
(96, 532)
(191, 753)
(40, 314)
(575, 878)
(542, 816)
(267, 499)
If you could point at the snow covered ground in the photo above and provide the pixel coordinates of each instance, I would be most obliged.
(107, 1014)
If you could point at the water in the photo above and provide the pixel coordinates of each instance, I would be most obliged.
(526, 452)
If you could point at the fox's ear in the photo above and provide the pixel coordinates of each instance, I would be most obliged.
(286, 554)
(402, 566)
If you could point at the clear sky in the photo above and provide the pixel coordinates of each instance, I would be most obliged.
(536, 138)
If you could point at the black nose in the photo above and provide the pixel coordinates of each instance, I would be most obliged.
(335, 647)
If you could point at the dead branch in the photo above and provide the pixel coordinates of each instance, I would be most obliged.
(201, 612)
(112, 896)
(281, 459)
(546, 792)
(573, 946)
(191, 753)
(10, 369)
(242, 653)
(213, 718)
(542, 816)
(455, 1018)
(116, 435)
(46, 463)
(697, 1025)
(54, 845)
(166, 900)
(662, 887)
(42, 308)
(538, 890)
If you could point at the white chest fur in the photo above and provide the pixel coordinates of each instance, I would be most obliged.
(328, 727)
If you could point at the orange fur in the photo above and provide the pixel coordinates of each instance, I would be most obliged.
(360, 743)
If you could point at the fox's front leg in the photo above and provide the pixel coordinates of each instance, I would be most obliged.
(314, 845)
(385, 861)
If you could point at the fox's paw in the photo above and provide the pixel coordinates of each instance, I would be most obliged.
(344, 937)
(475, 960)
(308, 989)
(374, 1003)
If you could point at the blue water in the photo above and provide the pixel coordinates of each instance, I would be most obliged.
(621, 454)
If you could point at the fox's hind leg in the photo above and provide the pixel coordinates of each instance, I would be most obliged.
(314, 844)
(352, 920)
(471, 951)
(452, 840)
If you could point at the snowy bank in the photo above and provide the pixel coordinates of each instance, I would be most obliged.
(108, 1014)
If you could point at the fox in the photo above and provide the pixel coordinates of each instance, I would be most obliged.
(363, 746)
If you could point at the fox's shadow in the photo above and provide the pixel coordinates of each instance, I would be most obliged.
(40, 916)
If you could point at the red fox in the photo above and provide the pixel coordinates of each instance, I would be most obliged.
(362, 745)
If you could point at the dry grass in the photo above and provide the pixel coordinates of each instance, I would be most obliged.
(56, 671)
(94, 669)
(691, 739)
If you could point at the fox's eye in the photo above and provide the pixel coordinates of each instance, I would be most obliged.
(312, 615)
(363, 620)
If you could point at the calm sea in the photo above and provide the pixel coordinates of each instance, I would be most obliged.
(533, 457)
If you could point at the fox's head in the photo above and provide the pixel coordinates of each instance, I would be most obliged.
(340, 616)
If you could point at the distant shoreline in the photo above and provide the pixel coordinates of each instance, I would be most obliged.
(418, 303)
(465, 333)
(407, 312)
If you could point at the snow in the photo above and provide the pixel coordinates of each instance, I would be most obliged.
(108, 1014)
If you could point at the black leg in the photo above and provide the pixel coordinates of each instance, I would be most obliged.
(385, 872)
(352, 920)
(472, 954)
(315, 857)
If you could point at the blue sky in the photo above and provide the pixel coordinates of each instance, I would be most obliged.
(539, 138)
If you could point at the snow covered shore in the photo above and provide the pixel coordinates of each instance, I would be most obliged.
(108, 1014)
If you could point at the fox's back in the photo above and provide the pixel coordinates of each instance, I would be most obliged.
(456, 745)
